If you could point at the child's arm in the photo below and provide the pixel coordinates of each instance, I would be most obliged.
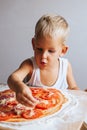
(70, 79)
(15, 82)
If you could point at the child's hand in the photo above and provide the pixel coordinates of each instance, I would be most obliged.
(24, 96)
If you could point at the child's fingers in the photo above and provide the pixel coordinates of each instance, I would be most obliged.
(28, 100)
(25, 101)
(31, 99)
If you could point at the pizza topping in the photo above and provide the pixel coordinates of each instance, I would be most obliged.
(19, 108)
(6, 97)
(45, 104)
(6, 94)
(6, 100)
(2, 101)
(32, 114)
(5, 116)
(54, 101)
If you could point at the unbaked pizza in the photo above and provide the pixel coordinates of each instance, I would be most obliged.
(50, 101)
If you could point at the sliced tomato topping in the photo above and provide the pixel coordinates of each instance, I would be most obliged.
(36, 91)
(45, 105)
(49, 95)
(12, 103)
(45, 95)
(32, 114)
(5, 116)
(6, 108)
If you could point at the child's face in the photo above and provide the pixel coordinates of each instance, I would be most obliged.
(47, 51)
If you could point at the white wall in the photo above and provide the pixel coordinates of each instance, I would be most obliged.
(17, 22)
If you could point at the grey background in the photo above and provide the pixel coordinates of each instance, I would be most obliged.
(17, 22)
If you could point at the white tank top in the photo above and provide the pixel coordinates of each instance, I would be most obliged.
(61, 82)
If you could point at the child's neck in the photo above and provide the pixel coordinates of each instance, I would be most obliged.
(49, 76)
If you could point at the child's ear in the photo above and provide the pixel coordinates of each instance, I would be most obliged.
(64, 50)
(33, 43)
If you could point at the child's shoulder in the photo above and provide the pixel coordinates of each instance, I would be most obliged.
(27, 62)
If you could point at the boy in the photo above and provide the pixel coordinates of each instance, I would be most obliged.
(46, 68)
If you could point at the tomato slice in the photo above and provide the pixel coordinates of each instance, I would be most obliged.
(45, 104)
(32, 114)
(12, 103)
(49, 95)
(36, 91)
(5, 116)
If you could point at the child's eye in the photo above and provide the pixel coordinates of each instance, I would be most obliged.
(52, 51)
(39, 49)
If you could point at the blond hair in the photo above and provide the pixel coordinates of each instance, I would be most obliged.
(51, 25)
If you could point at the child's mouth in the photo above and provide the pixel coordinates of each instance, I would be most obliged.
(43, 62)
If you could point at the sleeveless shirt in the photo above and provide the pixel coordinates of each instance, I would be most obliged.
(61, 82)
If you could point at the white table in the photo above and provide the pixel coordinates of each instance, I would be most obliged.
(70, 119)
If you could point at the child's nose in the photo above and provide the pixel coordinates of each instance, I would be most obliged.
(44, 54)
